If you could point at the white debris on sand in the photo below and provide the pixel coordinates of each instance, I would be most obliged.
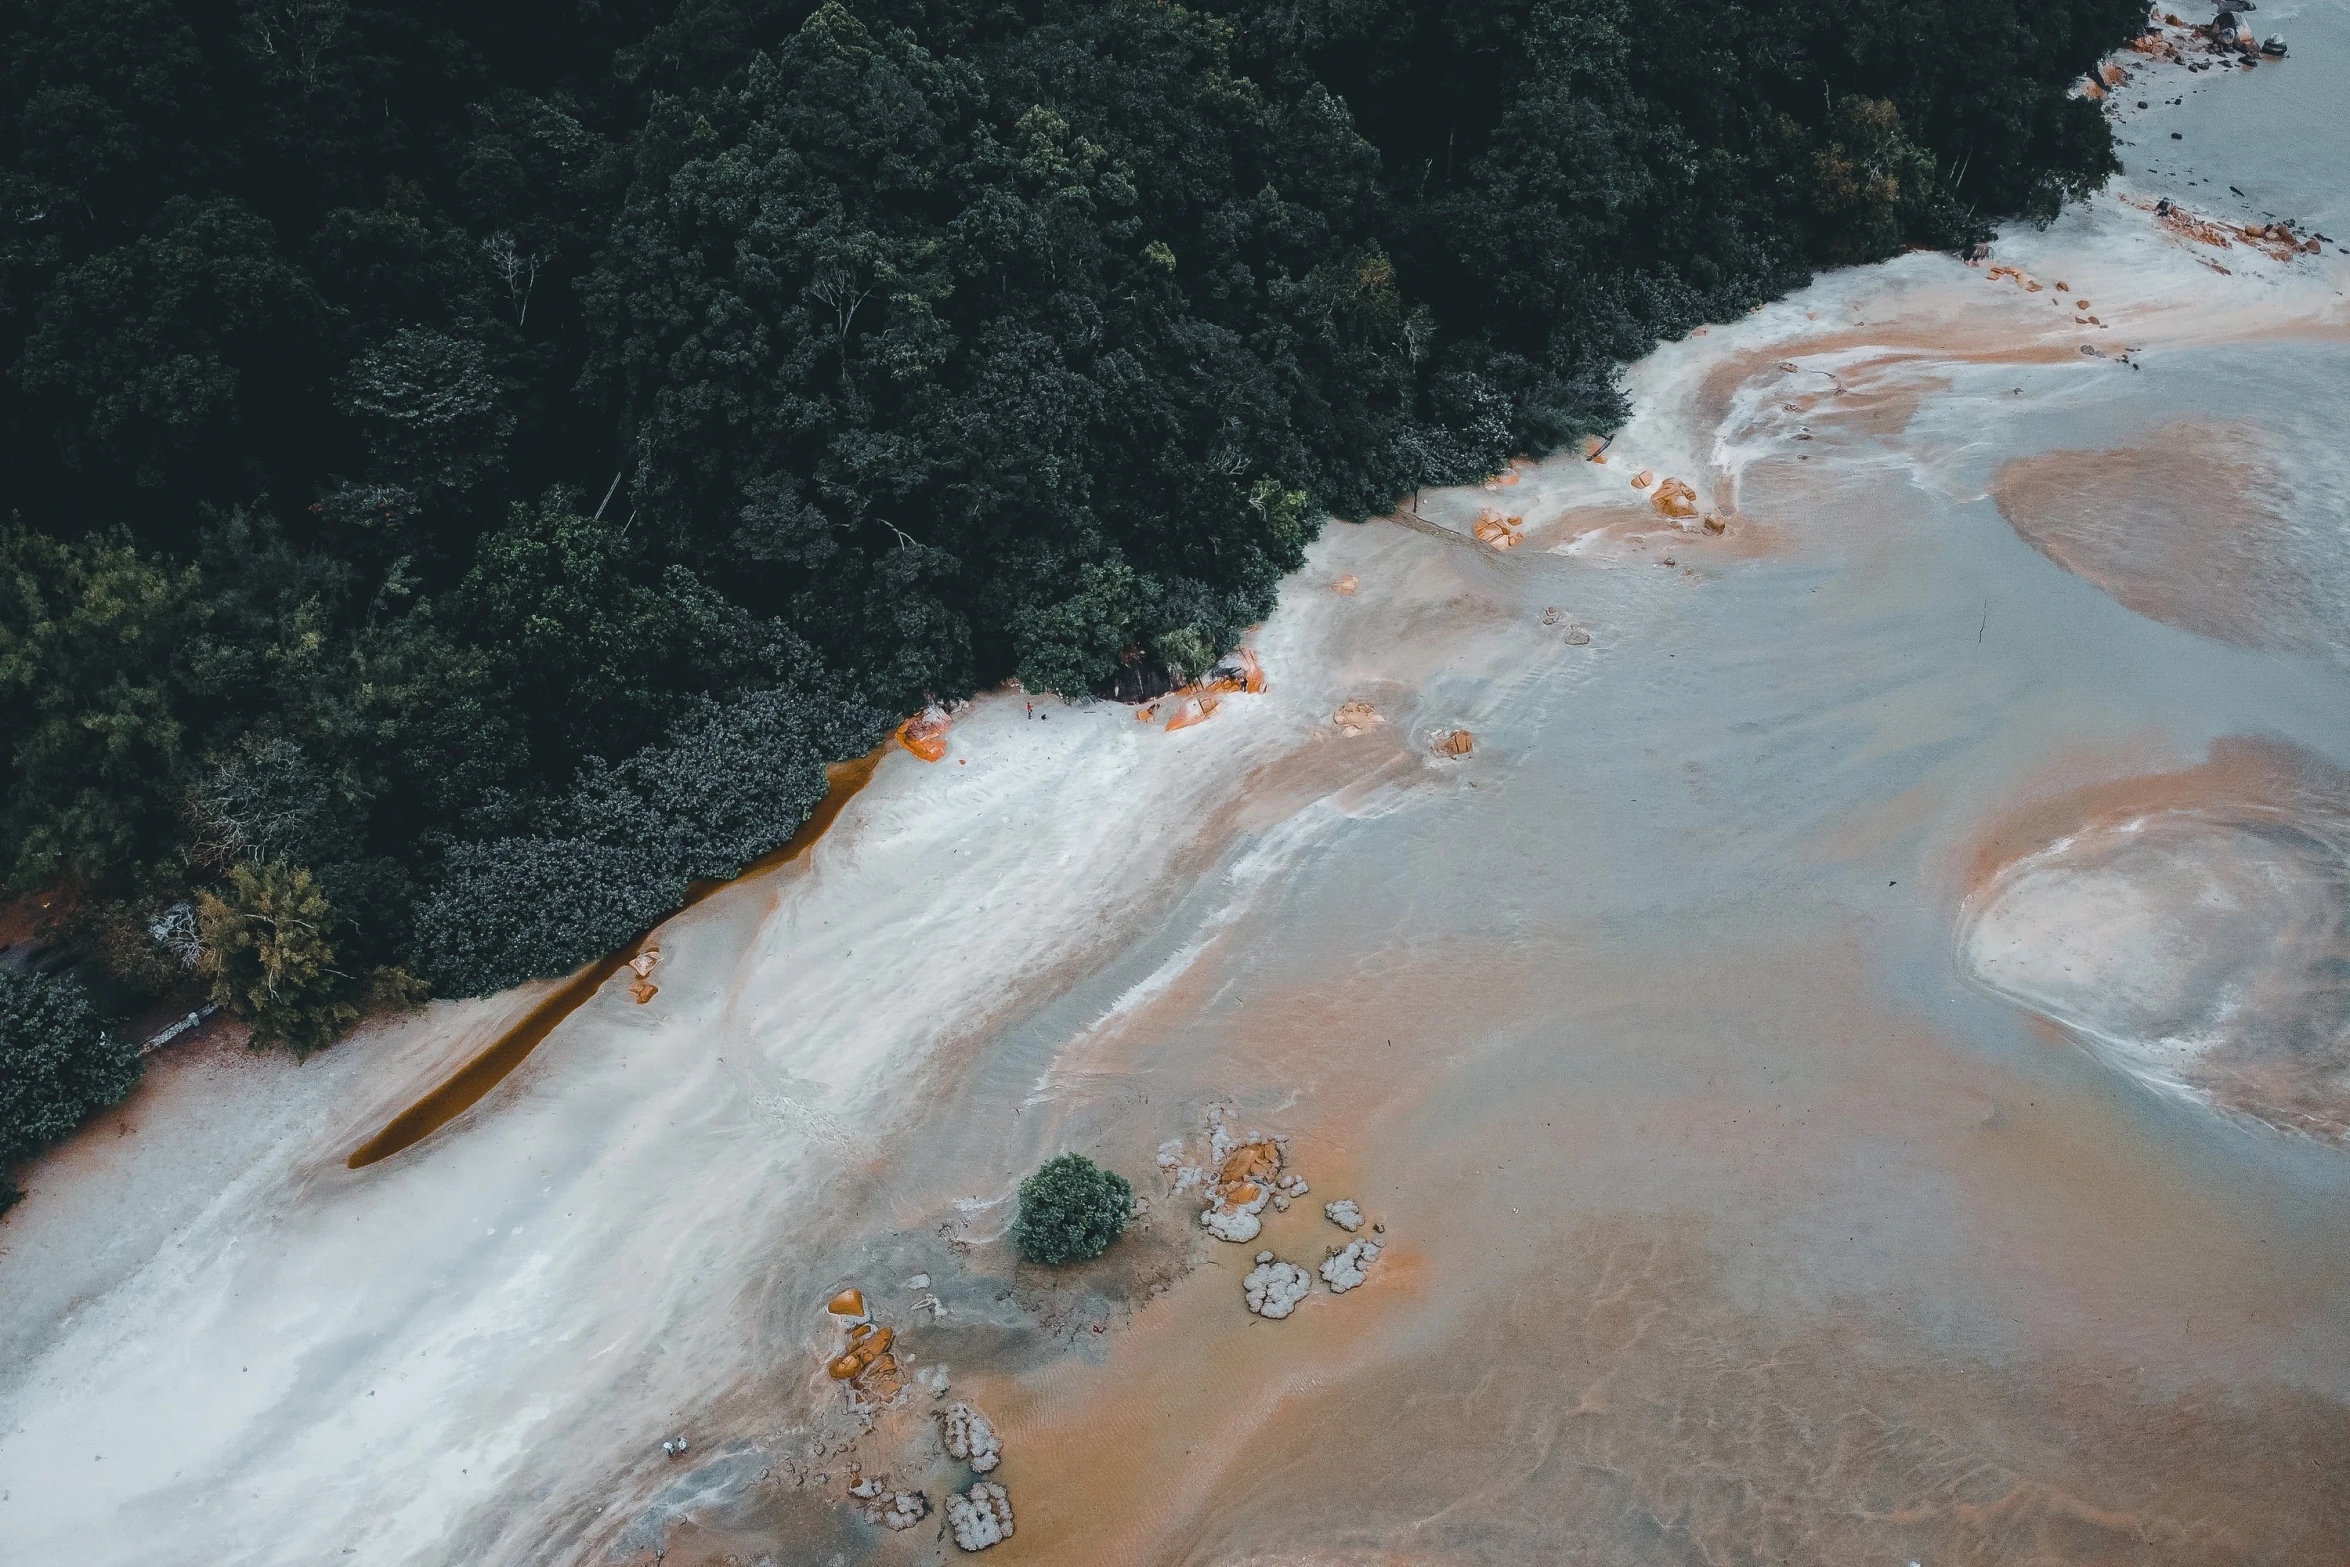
(1274, 1288)
(980, 1517)
(1343, 1270)
(935, 1379)
(970, 1436)
(888, 1508)
(1344, 1214)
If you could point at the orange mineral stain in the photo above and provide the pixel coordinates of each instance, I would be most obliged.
(463, 1089)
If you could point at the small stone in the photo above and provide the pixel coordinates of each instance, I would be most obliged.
(1578, 638)
(1264, 1256)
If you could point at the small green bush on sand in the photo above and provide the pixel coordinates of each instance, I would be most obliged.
(1070, 1210)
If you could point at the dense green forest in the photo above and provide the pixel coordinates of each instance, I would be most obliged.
(468, 467)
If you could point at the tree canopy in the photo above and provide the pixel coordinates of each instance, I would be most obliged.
(471, 467)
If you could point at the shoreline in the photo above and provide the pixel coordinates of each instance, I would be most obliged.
(464, 1088)
(1694, 897)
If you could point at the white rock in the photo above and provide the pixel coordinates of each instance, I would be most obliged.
(888, 1508)
(1239, 1222)
(1264, 1256)
(1344, 1214)
(934, 1379)
(970, 1436)
(1343, 1270)
(1281, 1202)
(1275, 1288)
(980, 1517)
(920, 1281)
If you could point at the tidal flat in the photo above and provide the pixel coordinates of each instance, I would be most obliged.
(1850, 1065)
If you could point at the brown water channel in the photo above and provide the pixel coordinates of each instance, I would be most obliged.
(462, 1089)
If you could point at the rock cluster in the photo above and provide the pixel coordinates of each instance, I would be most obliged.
(970, 1437)
(1247, 1177)
(1274, 1288)
(886, 1507)
(1344, 1214)
(1343, 1270)
(980, 1517)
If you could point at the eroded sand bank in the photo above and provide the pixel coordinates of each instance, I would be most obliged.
(1729, 1213)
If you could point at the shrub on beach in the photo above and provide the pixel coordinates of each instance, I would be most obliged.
(1070, 1210)
(57, 1064)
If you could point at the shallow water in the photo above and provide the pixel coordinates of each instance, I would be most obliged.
(1850, 1065)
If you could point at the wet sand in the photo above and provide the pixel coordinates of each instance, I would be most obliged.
(2189, 528)
(1741, 1206)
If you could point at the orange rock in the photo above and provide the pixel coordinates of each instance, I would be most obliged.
(1714, 524)
(1345, 585)
(1355, 717)
(1492, 528)
(1675, 499)
(1458, 743)
(1240, 671)
(867, 1347)
(1192, 710)
(925, 734)
(1250, 1162)
(644, 990)
(849, 1302)
(1643, 479)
